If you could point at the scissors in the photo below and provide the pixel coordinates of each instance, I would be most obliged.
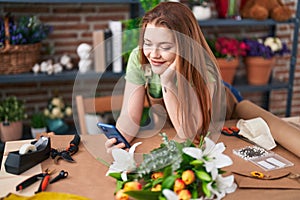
(231, 131)
(234, 131)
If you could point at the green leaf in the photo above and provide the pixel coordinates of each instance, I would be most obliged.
(203, 175)
(168, 171)
(168, 182)
(116, 175)
(206, 191)
(143, 195)
(119, 185)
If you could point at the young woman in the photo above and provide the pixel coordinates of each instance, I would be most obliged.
(175, 69)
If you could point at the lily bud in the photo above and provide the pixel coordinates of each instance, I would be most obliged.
(184, 195)
(188, 177)
(133, 185)
(178, 185)
(120, 195)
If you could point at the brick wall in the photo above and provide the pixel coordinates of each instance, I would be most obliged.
(74, 23)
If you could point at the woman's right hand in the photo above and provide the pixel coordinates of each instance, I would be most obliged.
(110, 144)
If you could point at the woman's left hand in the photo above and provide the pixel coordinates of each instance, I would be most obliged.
(168, 76)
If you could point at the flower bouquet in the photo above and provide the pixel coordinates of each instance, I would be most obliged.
(173, 171)
(55, 111)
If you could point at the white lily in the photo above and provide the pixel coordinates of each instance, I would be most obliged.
(123, 161)
(211, 155)
(223, 186)
(170, 195)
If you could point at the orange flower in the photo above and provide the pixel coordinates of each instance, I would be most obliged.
(156, 188)
(178, 185)
(133, 185)
(184, 195)
(188, 177)
(157, 175)
(120, 195)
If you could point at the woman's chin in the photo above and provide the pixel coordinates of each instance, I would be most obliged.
(158, 69)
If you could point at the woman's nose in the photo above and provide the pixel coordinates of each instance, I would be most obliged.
(154, 52)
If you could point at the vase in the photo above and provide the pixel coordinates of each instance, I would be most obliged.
(228, 8)
(11, 131)
(36, 131)
(228, 68)
(202, 12)
(58, 126)
(258, 70)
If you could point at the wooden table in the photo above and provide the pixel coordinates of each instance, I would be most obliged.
(87, 175)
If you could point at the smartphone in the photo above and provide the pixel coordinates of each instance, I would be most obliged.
(110, 131)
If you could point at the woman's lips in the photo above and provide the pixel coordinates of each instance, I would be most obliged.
(156, 63)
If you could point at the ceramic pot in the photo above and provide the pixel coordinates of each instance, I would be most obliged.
(228, 68)
(11, 131)
(57, 126)
(202, 12)
(258, 70)
(35, 131)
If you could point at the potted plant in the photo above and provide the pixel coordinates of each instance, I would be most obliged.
(201, 9)
(55, 113)
(227, 52)
(260, 59)
(12, 113)
(38, 124)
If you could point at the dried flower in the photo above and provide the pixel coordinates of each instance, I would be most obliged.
(56, 109)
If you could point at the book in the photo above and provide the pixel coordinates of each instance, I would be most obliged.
(116, 29)
(99, 51)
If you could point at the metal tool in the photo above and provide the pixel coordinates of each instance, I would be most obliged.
(45, 176)
(62, 174)
(234, 131)
(68, 152)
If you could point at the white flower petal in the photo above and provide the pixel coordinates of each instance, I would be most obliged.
(209, 146)
(193, 152)
(132, 148)
(124, 176)
(170, 195)
(222, 160)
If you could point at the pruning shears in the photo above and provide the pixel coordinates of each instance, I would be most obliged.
(44, 176)
(68, 152)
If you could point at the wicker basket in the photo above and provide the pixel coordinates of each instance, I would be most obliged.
(15, 59)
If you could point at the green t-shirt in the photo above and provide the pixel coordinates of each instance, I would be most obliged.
(135, 74)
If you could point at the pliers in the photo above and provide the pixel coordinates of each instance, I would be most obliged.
(45, 177)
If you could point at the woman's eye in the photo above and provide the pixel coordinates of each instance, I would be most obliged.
(165, 48)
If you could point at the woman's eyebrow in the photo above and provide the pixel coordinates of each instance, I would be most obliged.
(148, 40)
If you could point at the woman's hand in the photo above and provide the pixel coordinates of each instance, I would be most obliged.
(168, 76)
(110, 144)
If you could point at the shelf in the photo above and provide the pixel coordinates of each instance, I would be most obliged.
(63, 76)
(70, 1)
(243, 22)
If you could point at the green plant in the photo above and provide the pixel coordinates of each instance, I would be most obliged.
(38, 120)
(12, 110)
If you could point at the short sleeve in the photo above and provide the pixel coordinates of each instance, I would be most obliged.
(134, 71)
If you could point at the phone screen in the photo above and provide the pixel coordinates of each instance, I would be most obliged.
(110, 131)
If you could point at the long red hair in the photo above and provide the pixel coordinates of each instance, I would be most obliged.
(193, 50)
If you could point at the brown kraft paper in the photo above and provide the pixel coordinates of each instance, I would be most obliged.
(284, 133)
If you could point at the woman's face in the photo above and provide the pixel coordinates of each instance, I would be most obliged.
(159, 47)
